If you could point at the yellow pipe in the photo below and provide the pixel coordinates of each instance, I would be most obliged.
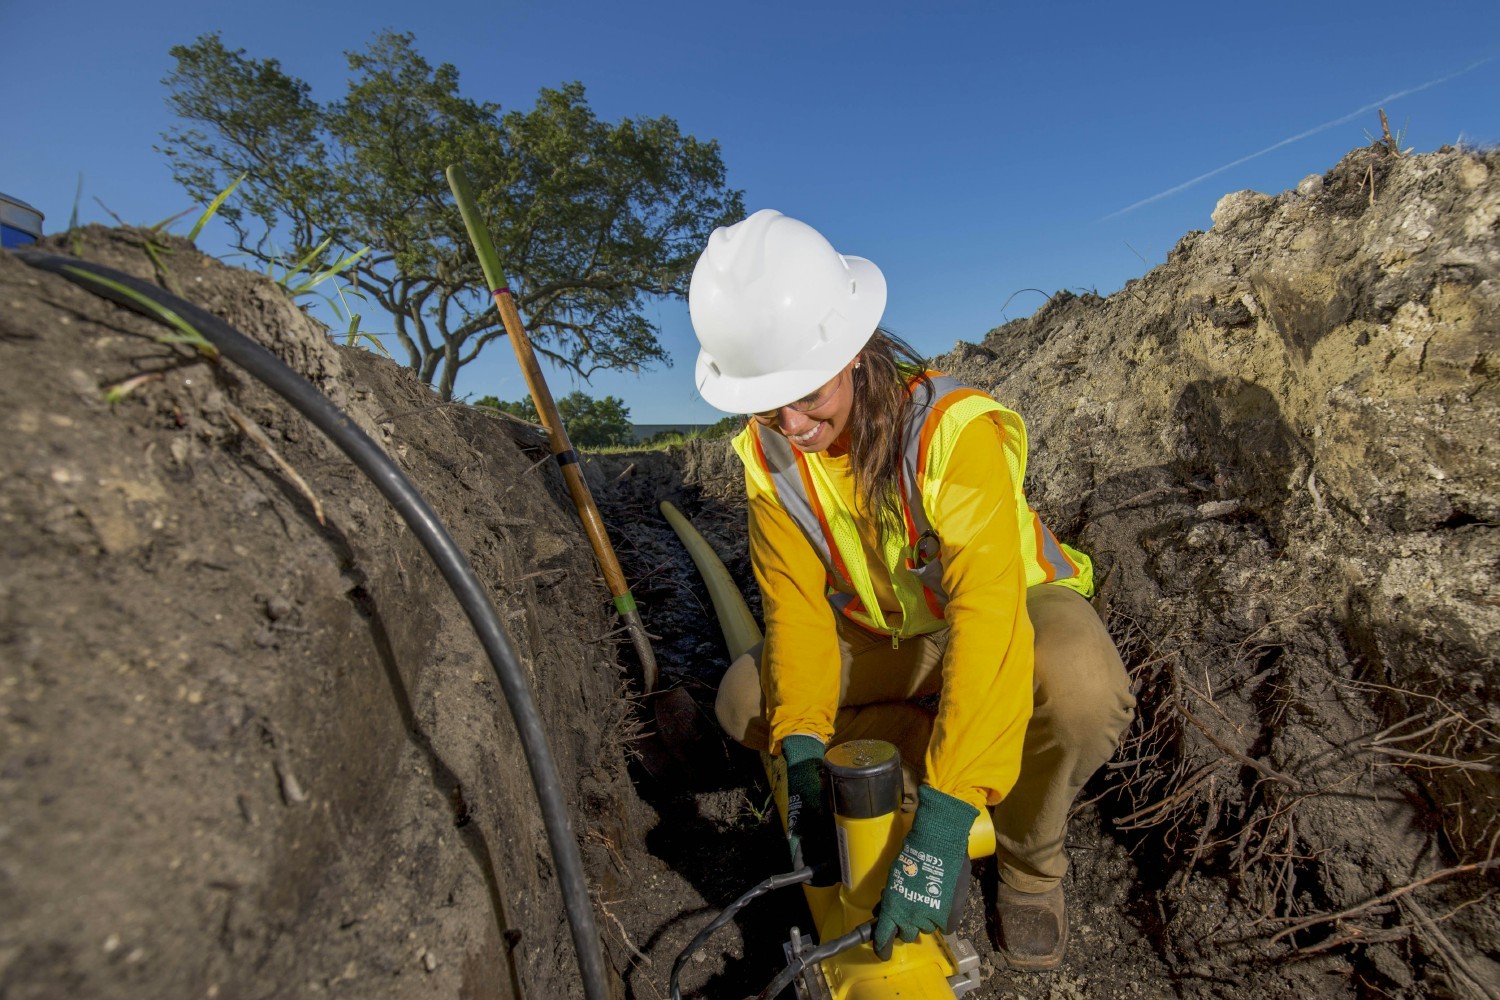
(741, 631)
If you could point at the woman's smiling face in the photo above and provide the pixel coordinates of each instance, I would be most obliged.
(814, 422)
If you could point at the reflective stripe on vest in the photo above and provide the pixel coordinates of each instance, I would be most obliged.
(939, 412)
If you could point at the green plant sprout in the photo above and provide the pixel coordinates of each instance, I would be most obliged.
(319, 272)
(187, 333)
(213, 208)
(148, 242)
(354, 334)
(119, 390)
(164, 223)
(74, 236)
(765, 809)
(310, 267)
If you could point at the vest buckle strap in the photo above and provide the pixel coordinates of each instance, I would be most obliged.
(925, 549)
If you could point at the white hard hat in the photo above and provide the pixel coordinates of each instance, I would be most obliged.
(778, 312)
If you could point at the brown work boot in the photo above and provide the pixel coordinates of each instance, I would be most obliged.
(1033, 927)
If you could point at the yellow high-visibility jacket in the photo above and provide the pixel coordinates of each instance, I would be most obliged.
(970, 548)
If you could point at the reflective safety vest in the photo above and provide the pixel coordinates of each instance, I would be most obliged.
(940, 410)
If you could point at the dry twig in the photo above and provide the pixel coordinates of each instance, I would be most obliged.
(1391, 145)
(529, 469)
(645, 958)
(1383, 898)
(1355, 935)
(252, 431)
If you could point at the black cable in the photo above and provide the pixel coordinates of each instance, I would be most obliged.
(429, 529)
(774, 882)
(858, 936)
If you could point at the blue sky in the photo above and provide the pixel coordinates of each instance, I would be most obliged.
(972, 150)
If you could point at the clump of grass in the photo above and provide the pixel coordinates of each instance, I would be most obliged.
(311, 271)
(346, 314)
(306, 275)
(156, 250)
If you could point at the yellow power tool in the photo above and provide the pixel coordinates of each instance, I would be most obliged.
(865, 776)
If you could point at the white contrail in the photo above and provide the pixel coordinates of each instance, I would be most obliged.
(1302, 135)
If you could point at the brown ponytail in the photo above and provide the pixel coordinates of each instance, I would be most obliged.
(879, 412)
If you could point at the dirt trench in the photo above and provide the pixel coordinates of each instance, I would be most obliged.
(1279, 446)
(247, 754)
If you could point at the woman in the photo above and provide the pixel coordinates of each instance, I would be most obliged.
(898, 562)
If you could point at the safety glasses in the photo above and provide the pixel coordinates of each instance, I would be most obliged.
(815, 400)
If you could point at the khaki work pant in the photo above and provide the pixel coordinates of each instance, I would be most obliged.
(1082, 703)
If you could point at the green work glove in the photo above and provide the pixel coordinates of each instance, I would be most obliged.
(809, 821)
(929, 873)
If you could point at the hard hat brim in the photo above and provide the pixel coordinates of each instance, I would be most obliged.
(759, 393)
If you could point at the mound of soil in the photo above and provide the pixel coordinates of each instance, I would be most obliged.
(246, 754)
(249, 752)
(1280, 446)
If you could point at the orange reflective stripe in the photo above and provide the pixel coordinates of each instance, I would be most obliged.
(930, 426)
(929, 434)
(1049, 571)
(816, 503)
(1050, 551)
(852, 607)
(912, 380)
(934, 605)
(765, 463)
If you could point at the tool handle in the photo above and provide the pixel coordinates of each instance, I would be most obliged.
(557, 435)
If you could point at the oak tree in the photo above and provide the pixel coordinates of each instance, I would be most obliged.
(591, 218)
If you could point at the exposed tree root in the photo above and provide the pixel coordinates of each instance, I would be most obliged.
(1194, 784)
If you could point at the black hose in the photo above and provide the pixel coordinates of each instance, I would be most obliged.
(858, 936)
(429, 529)
(774, 882)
